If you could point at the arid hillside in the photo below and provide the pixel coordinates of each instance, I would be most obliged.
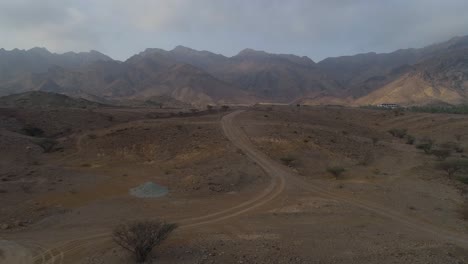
(436, 73)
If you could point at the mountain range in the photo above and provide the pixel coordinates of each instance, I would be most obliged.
(434, 74)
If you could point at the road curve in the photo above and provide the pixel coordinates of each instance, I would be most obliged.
(274, 169)
(62, 251)
(280, 177)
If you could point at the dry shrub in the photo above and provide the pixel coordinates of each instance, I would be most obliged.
(337, 171)
(426, 145)
(441, 154)
(367, 159)
(410, 139)
(140, 237)
(453, 166)
(398, 132)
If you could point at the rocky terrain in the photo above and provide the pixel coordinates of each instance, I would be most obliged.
(433, 74)
(252, 185)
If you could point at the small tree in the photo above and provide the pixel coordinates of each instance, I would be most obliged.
(225, 108)
(398, 132)
(426, 145)
(410, 139)
(140, 237)
(441, 154)
(336, 171)
(452, 146)
(453, 166)
(209, 107)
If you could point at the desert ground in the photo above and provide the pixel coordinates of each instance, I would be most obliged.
(247, 185)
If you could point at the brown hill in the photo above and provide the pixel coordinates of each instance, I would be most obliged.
(39, 99)
(441, 77)
(17, 62)
(411, 76)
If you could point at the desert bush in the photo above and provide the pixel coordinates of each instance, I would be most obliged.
(410, 139)
(453, 109)
(336, 171)
(140, 237)
(33, 131)
(92, 136)
(398, 112)
(287, 160)
(426, 145)
(463, 180)
(441, 154)
(209, 108)
(453, 166)
(398, 132)
(375, 140)
(225, 108)
(367, 159)
(47, 144)
(452, 146)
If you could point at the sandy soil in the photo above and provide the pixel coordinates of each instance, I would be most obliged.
(232, 194)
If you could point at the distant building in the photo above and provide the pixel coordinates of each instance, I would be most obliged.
(390, 106)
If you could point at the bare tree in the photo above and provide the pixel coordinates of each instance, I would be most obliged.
(140, 237)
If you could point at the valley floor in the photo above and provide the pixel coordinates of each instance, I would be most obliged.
(250, 186)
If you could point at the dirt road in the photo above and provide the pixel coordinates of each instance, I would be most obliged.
(282, 178)
(276, 170)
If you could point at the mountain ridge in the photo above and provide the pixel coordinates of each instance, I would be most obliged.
(204, 77)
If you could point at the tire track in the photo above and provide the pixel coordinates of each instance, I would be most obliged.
(57, 254)
(280, 176)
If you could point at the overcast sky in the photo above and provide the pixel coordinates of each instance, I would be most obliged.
(315, 28)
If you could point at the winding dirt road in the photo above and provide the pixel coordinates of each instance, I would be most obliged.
(67, 251)
(281, 176)
(276, 170)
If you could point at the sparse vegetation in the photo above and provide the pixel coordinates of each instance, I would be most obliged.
(33, 131)
(441, 154)
(140, 237)
(367, 159)
(426, 145)
(452, 146)
(47, 144)
(452, 109)
(410, 139)
(287, 161)
(336, 171)
(398, 132)
(463, 180)
(452, 166)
